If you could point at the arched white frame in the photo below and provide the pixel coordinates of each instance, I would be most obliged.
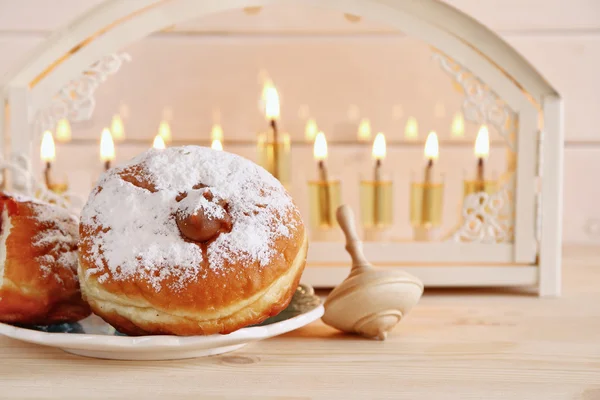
(116, 23)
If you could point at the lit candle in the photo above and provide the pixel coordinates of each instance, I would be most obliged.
(364, 130)
(411, 131)
(107, 148)
(458, 125)
(158, 143)
(271, 99)
(482, 150)
(48, 155)
(216, 145)
(431, 154)
(217, 132)
(116, 128)
(63, 130)
(311, 130)
(378, 153)
(164, 130)
(320, 154)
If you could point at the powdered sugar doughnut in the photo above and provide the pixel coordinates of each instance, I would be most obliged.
(188, 241)
(38, 263)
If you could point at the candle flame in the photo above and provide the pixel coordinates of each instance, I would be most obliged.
(320, 147)
(164, 130)
(379, 147)
(217, 132)
(482, 143)
(432, 147)
(458, 125)
(364, 129)
(158, 143)
(411, 131)
(107, 146)
(311, 130)
(47, 150)
(116, 128)
(271, 101)
(63, 130)
(216, 145)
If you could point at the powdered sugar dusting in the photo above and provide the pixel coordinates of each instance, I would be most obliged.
(142, 237)
(57, 235)
(196, 200)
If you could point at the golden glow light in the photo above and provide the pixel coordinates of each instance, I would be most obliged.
(216, 145)
(320, 147)
(432, 147)
(364, 129)
(107, 146)
(411, 131)
(217, 132)
(164, 130)
(252, 10)
(158, 143)
(482, 143)
(458, 125)
(379, 147)
(116, 128)
(63, 130)
(271, 101)
(311, 130)
(47, 150)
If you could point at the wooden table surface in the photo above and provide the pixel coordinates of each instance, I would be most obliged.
(463, 344)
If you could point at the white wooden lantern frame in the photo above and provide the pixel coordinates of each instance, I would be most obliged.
(532, 258)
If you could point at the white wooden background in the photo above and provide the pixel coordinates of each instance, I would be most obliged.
(336, 72)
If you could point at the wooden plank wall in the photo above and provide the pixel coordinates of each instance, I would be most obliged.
(337, 72)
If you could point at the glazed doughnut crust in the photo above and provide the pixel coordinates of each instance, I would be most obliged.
(38, 263)
(143, 276)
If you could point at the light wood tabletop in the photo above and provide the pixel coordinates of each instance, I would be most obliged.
(459, 344)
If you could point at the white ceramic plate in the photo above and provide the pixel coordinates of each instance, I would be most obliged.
(92, 337)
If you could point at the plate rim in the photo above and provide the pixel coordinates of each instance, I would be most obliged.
(86, 341)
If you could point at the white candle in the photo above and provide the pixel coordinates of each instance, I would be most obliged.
(272, 111)
(47, 155)
(482, 151)
(432, 152)
(378, 153)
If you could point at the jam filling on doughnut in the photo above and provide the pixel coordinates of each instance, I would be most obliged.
(202, 221)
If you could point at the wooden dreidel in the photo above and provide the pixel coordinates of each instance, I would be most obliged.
(370, 301)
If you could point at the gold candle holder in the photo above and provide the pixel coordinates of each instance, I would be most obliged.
(426, 209)
(476, 186)
(325, 198)
(275, 157)
(59, 188)
(376, 200)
